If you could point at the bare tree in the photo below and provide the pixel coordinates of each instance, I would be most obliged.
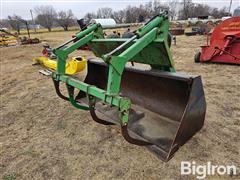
(65, 19)
(201, 10)
(186, 11)
(153, 8)
(46, 15)
(15, 23)
(129, 15)
(90, 16)
(142, 13)
(148, 7)
(219, 13)
(4, 23)
(134, 14)
(190, 10)
(173, 9)
(119, 16)
(104, 12)
(158, 7)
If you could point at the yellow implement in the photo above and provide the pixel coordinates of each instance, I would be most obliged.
(75, 65)
(6, 41)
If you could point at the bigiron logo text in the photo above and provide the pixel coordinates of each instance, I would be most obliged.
(208, 169)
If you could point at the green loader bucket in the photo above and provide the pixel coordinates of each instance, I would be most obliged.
(168, 108)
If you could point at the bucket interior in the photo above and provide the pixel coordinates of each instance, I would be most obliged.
(161, 97)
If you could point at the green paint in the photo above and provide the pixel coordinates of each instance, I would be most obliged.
(149, 47)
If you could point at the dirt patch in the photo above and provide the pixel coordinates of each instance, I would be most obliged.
(43, 137)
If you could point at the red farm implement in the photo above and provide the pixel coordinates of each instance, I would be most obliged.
(224, 44)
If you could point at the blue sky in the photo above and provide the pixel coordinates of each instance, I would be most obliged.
(81, 7)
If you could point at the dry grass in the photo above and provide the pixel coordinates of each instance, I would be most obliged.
(43, 137)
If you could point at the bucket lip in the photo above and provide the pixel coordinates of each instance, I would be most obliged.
(171, 75)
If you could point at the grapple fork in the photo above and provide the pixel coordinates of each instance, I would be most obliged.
(156, 108)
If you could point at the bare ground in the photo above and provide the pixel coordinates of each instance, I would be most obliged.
(43, 137)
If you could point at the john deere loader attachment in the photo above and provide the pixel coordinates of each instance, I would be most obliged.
(157, 108)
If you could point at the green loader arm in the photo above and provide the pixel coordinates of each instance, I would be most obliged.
(143, 47)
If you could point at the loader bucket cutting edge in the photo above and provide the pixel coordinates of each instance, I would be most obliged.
(172, 105)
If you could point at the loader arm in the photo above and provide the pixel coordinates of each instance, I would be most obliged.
(155, 30)
(157, 108)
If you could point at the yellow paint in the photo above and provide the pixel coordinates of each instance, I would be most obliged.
(5, 41)
(75, 65)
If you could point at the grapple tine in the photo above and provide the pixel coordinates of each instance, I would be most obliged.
(92, 102)
(57, 89)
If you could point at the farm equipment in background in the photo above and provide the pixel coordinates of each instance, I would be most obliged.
(28, 40)
(200, 30)
(48, 60)
(75, 65)
(7, 38)
(157, 108)
(48, 52)
(224, 44)
(177, 31)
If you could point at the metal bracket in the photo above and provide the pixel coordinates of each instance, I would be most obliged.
(56, 85)
(72, 99)
(92, 103)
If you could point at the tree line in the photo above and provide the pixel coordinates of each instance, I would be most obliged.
(178, 10)
(48, 17)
